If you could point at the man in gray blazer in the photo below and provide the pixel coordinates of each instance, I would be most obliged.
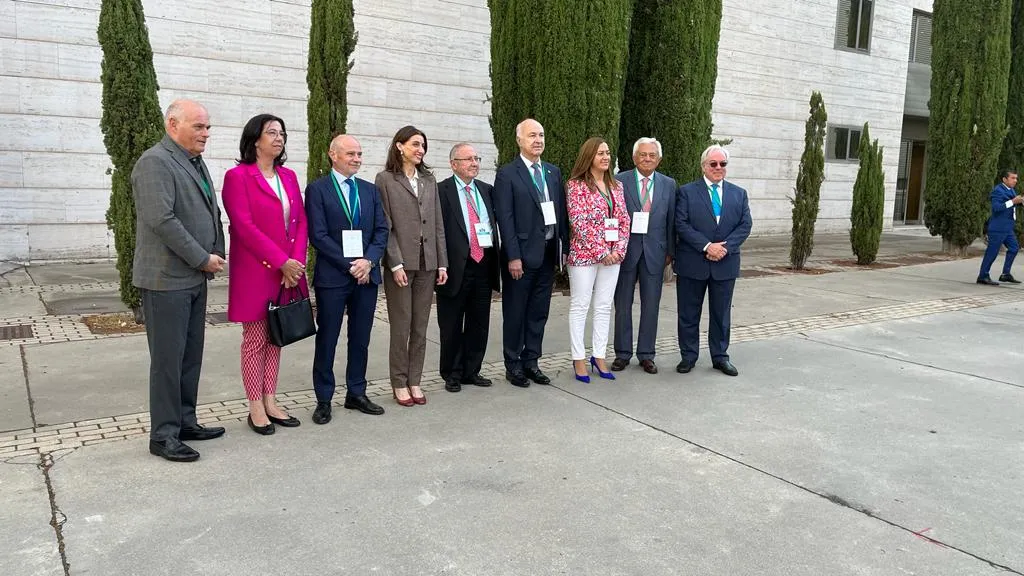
(651, 201)
(179, 245)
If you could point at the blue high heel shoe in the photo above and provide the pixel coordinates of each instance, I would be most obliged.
(585, 378)
(605, 375)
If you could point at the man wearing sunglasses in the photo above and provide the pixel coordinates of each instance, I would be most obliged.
(712, 222)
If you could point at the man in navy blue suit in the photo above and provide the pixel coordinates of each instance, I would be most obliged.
(1000, 229)
(712, 222)
(348, 230)
(529, 202)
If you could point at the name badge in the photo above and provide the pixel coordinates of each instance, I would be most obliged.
(548, 208)
(352, 243)
(611, 229)
(639, 223)
(483, 235)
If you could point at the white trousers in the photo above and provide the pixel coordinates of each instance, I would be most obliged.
(588, 284)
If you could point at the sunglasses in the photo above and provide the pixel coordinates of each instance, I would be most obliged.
(714, 164)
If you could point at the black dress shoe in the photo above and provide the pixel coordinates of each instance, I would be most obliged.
(517, 378)
(684, 367)
(987, 281)
(649, 366)
(363, 404)
(172, 449)
(537, 376)
(452, 385)
(200, 433)
(619, 364)
(322, 414)
(1009, 279)
(725, 367)
(478, 380)
(289, 422)
(262, 430)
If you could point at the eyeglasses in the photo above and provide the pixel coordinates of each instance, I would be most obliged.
(470, 159)
(714, 164)
(274, 134)
(651, 155)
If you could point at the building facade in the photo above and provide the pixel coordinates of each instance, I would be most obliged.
(427, 64)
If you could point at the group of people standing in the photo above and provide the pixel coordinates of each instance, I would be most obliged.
(459, 239)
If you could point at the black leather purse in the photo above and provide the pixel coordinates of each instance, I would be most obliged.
(292, 321)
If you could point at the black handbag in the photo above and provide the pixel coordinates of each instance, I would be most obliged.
(292, 321)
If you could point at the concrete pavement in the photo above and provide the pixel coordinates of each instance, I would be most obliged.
(875, 429)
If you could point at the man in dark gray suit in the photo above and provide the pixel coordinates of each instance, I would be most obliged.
(179, 245)
(651, 201)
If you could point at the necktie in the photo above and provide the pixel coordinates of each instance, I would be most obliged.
(475, 251)
(197, 164)
(538, 181)
(352, 202)
(716, 201)
(645, 197)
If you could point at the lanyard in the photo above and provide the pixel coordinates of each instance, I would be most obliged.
(608, 200)
(644, 195)
(477, 202)
(277, 181)
(344, 205)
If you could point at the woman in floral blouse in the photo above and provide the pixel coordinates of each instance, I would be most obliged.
(599, 233)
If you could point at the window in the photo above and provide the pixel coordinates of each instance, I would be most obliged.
(853, 26)
(921, 38)
(844, 143)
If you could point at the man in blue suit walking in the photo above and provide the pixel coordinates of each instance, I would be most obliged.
(712, 222)
(1000, 229)
(348, 230)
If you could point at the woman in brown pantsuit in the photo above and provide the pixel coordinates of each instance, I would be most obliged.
(416, 257)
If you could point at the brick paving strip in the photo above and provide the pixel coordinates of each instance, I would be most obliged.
(70, 435)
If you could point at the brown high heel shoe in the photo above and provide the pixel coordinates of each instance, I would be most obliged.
(421, 400)
(405, 403)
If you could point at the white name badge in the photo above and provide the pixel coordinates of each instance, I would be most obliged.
(639, 222)
(352, 243)
(483, 235)
(611, 229)
(548, 208)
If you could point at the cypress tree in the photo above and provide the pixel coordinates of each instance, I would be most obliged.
(808, 184)
(1012, 156)
(673, 65)
(565, 69)
(332, 38)
(970, 78)
(131, 122)
(868, 208)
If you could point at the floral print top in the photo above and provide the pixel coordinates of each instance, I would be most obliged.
(588, 210)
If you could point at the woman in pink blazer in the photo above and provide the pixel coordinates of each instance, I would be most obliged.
(268, 250)
(598, 236)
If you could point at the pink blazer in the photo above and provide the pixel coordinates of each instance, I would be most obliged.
(260, 244)
(587, 212)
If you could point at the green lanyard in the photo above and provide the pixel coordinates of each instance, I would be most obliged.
(609, 200)
(477, 202)
(639, 189)
(344, 204)
(277, 180)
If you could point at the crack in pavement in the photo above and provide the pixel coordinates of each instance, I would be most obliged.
(905, 360)
(834, 499)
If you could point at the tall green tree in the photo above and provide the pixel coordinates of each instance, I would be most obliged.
(868, 210)
(131, 122)
(808, 184)
(1012, 155)
(673, 65)
(564, 67)
(970, 79)
(332, 38)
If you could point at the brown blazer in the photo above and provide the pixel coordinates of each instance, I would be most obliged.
(415, 223)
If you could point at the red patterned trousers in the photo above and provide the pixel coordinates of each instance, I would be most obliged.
(260, 361)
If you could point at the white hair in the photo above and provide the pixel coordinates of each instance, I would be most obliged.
(645, 140)
(177, 108)
(713, 148)
(519, 126)
(451, 155)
